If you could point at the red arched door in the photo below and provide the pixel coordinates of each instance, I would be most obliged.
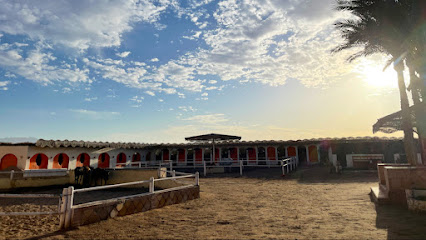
(39, 161)
(166, 155)
(271, 153)
(136, 158)
(121, 158)
(181, 155)
(198, 155)
(313, 153)
(61, 160)
(103, 160)
(233, 153)
(251, 155)
(8, 160)
(291, 152)
(83, 160)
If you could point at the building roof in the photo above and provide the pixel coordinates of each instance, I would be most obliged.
(212, 136)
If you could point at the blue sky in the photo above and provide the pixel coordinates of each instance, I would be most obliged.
(158, 71)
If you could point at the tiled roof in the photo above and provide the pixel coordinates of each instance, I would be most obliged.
(89, 144)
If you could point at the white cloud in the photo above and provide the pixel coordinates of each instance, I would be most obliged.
(91, 99)
(218, 118)
(79, 23)
(204, 94)
(94, 115)
(154, 60)
(187, 108)
(151, 93)
(123, 54)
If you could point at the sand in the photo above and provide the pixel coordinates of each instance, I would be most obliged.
(311, 204)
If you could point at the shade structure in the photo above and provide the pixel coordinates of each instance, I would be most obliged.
(212, 136)
(393, 122)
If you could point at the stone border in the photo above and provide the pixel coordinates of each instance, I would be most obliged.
(102, 210)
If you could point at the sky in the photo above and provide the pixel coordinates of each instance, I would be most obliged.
(159, 71)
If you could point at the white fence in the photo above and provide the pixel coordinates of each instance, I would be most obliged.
(69, 193)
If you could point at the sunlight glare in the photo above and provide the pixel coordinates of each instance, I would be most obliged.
(372, 73)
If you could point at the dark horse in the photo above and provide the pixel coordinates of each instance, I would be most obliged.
(100, 174)
(84, 173)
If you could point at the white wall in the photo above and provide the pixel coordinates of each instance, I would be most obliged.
(19, 151)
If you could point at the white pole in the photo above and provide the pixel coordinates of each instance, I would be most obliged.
(204, 168)
(214, 152)
(171, 165)
(64, 204)
(282, 168)
(151, 185)
(173, 173)
(197, 179)
(68, 214)
(241, 168)
(11, 174)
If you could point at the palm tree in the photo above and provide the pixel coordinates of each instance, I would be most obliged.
(380, 27)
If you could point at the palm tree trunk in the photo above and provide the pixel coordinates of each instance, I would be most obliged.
(409, 145)
(415, 92)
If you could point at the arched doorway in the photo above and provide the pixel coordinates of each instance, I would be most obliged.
(148, 156)
(83, 160)
(261, 156)
(8, 160)
(103, 160)
(216, 155)
(198, 155)
(61, 160)
(121, 158)
(313, 153)
(251, 152)
(281, 152)
(271, 153)
(291, 152)
(233, 154)
(166, 154)
(136, 157)
(39, 161)
(181, 155)
(207, 155)
(190, 157)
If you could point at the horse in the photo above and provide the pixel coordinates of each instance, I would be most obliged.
(78, 173)
(101, 174)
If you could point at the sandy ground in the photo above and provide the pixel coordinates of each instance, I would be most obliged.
(312, 204)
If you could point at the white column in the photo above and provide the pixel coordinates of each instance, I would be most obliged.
(307, 155)
(238, 153)
(276, 153)
(330, 154)
(266, 153)
(202, 155)
(255, 152)
(50, 162)
(318, 151)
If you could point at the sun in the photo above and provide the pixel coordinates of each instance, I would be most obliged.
(373, 74)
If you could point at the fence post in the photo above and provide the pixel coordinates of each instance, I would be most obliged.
(241, 168)
(64, 204)
(205, 169)
(68, 212)
(151, 185)
(11, 174)
(171, 165)
(197, 179)
(173, 173)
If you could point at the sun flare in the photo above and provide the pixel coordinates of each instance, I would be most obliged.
(373, 74)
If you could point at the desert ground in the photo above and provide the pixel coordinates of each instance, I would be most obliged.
(309, 204)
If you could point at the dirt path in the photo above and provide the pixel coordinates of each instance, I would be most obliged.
(313, 205)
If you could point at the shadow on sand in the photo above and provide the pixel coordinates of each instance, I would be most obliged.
(304, 175)
(400, 223)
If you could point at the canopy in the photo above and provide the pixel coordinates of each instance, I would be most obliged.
(212, 136)
(393, 122)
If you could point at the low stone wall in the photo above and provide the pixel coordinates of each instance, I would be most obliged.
(403, 177)
(415, 204)
(102, 210)
(381, 170)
